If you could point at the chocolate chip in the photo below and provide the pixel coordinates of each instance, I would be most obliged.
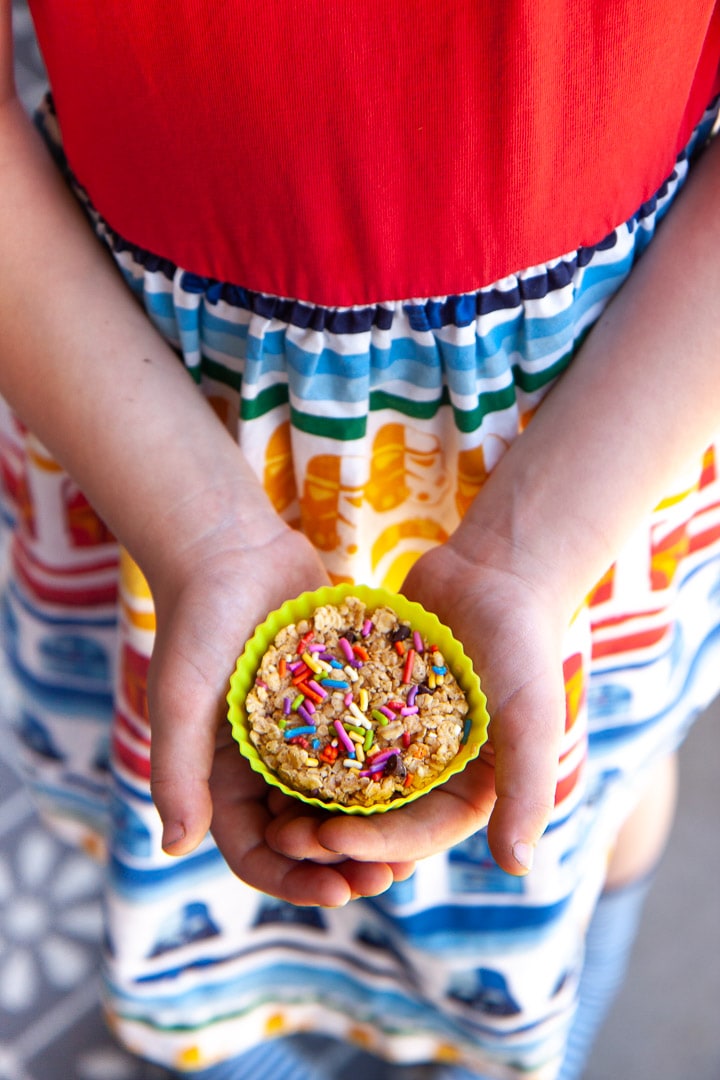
(395, 766)
(400, 633)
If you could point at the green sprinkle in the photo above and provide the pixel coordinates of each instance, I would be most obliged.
(297, 702)
(369, 735)
(380, 717)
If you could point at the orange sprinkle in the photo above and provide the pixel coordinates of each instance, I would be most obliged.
(282, 667)
(407, 670)
(304, 642)
(408, 779)
(309, 692)
(361, 651)
(399, 648)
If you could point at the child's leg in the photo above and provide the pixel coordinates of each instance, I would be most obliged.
(643, 837)
(614, 925)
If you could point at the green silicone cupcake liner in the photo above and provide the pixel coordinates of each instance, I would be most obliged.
(303, 607)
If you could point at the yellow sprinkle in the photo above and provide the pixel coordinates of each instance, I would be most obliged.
(439, 679)
(432, 680)
(312, 663)
(356, 736)
(351, 763)
(363, 699)
(312, 761)
(360, 752)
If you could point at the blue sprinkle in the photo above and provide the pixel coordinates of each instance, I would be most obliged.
(336, 684)
(440, 670)
(336, 663)
(467, 729)
(290, 733)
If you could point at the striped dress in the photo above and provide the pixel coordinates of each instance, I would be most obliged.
(372, 428)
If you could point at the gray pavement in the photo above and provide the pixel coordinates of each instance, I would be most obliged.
(666, 1022)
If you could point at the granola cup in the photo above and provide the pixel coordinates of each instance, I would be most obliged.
(354, 725)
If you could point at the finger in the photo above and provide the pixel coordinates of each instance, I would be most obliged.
(432, 823)
(366, 879)
(295, 834)
(402, 870)
(184, 728)
(240, 819)
(526, 732)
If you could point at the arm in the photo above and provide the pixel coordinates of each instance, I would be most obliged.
(89, 375)
(639, 402)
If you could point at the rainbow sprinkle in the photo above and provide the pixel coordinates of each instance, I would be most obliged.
(322, 665)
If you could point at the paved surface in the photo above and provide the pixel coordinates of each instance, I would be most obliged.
(665, 1025)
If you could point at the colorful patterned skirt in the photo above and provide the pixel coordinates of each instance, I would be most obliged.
(372, 429)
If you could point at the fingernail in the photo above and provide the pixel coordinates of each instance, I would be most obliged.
(523, 853)
(173, 833)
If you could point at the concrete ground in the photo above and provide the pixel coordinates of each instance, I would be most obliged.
(666, 1022)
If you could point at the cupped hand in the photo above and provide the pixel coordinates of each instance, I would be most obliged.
(199, 779)
(513, 632)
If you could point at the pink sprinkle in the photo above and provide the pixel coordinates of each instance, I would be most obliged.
(348, 698)
(372, 770)
(367, 627)
(317, 688)
(295, 665)
(412, 694)
(344, 737)
(418, 641)
(259, 682)
(381, 758)
(347, 649)
(311, 707)
(315, 648)
(387, 712)
(409, 710)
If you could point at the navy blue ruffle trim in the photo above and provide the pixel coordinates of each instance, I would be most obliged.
(460, 310)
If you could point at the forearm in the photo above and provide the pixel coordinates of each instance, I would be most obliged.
(637, 405)
(84, 368)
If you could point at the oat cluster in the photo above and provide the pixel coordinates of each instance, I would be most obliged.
(353, 706)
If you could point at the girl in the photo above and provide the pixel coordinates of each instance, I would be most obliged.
(378, 244)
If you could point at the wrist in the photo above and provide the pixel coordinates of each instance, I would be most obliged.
(523, 524)
(228, 514)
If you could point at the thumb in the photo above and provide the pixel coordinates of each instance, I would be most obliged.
(185, 715)
(525, 733)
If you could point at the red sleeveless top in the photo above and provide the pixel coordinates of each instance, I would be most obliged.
(346, 153)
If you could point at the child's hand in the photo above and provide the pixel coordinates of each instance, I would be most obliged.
(514, 636)
(199, 779)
